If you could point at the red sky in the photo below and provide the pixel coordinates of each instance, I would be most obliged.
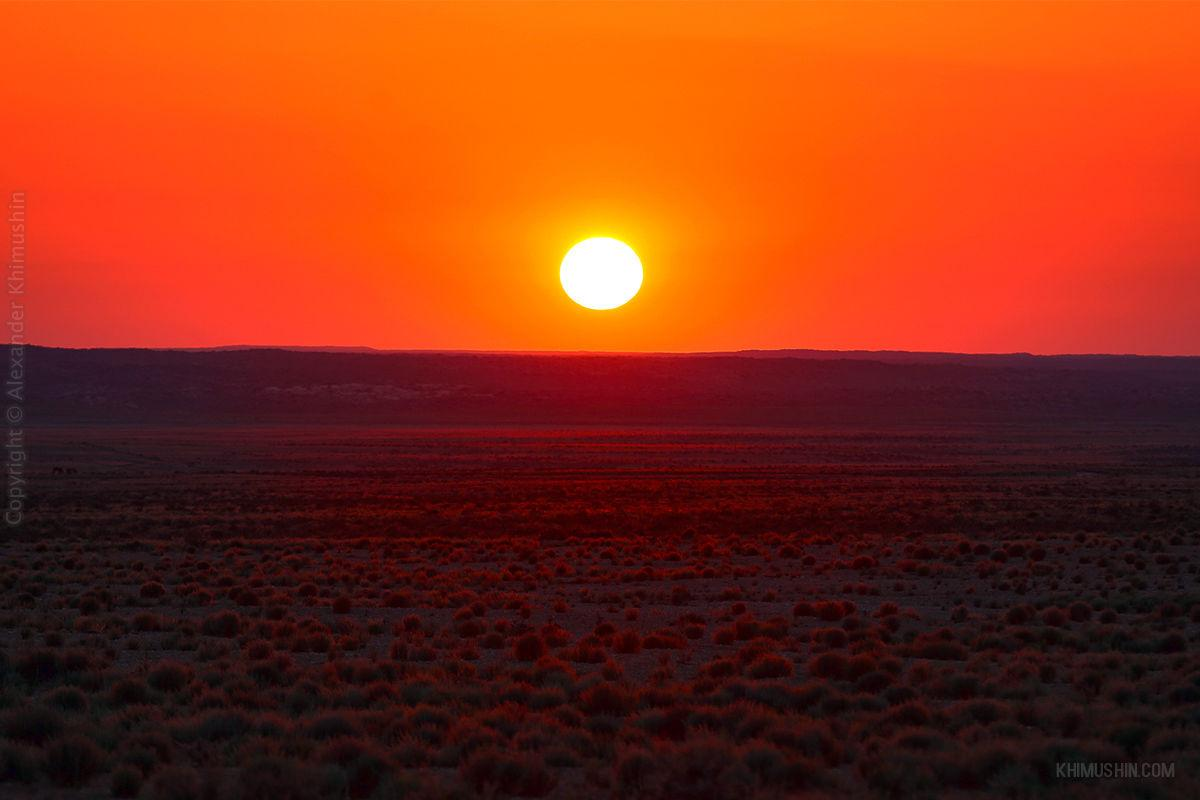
(970, 177)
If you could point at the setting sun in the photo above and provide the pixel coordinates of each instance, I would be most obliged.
(601, 273)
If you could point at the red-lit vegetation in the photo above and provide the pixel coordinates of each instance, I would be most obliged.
(474, 682)
(668, 663)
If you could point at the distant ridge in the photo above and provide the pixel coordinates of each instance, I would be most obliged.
(886, 356)
(240, 385)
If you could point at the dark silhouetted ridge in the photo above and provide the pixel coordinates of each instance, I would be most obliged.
(758, 388)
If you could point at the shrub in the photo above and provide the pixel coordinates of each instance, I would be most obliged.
(831, 666)
(17, 763)
(332, 725)
(1054, 617)
(31, 725)
(222, 725)
(830, 637)
(72, 760)
(1018, 615)
(833, 610)
(912, 713)
(39, 666)
(984, 711)
(705, 767)
(1172, 643)
(770, 666)
(68, 698)
(126, 781)
(146, 750)
(174, 783)
(745, 629)
(721, 668)
(585, 653)
(517, 774)
(636, 774)
(664, 640)
(896, 773)
(873, 682)
(129, 692)
(529, 647)
(365, 768)
(147, 623)
(606, 698)
(669, 724)
(169, 676)
(555, 635)
(470, 628)
(627, 642)
(224, 624)
(985, 763)
(275, 778)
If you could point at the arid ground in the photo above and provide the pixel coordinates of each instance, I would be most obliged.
(336, 611)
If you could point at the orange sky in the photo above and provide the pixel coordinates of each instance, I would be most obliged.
(992, 177)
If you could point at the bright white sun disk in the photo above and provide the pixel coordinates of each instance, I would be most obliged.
(601, 273)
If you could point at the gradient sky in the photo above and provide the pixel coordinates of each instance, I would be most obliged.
(992, 177)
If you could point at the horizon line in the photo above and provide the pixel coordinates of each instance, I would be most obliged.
(765, 351)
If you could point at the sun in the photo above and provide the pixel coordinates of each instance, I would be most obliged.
(601, 273)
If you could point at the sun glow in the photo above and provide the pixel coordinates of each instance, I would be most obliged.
(601, 273)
